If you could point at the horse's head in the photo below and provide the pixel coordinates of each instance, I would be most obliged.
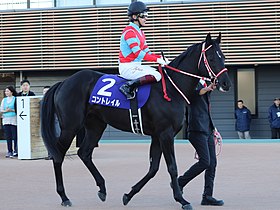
(212, 63)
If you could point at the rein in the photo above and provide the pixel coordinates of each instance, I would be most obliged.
(212, 75)
(218, 143)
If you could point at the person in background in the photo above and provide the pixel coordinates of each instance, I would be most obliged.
(45, 89)
(134, 49)
(201, 135)
(274, 118)
(9, 120)
(243, 120)
(25, 88)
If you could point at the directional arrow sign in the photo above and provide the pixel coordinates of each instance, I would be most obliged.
(22, 115)
(23, 127)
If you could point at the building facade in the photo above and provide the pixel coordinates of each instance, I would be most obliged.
(49, 44)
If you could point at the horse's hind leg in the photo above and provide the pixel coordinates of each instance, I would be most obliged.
(155, 155)
(94, 130)
(66, 137)
(59, 184)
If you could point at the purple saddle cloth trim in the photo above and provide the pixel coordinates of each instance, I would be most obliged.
(106, 92)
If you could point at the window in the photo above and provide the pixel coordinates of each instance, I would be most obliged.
(246, 87)
(13, 4)
(106, 2)
(151, 1)
(63, 3)
(179, 1)
(41, 3)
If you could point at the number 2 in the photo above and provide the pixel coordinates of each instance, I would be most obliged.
(103, 91)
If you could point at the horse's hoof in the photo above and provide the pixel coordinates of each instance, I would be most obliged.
(102, 196)
(125, 199)
(187, 207)
(66, 203)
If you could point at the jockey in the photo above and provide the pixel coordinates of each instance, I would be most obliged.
(134, 49)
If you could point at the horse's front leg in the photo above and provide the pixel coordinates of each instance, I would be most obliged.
(155, 155)
(167, 147)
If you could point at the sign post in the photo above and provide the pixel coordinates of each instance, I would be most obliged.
(24, 125)
(30, 142)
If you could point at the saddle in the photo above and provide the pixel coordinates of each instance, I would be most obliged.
(106, 93)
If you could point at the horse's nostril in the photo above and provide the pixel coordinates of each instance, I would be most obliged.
(225, 84)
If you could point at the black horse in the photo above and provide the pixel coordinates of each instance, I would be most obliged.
(162, 119)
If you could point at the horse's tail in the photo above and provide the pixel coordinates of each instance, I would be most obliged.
(48, 129)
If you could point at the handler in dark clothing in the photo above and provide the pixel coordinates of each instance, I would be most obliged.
(274, 118)
(200, 130)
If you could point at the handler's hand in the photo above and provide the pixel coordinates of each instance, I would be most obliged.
(211, 87)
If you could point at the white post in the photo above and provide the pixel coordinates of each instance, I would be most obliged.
(30, 142)
(23, 127)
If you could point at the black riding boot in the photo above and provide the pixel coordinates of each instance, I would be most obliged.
(128, 88)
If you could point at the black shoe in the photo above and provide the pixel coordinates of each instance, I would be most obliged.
(126, 90)
(48, 158)
(210, 201)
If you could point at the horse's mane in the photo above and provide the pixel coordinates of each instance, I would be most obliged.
(176, 62)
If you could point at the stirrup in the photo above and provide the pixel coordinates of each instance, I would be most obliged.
(130, 95)
(125, 89)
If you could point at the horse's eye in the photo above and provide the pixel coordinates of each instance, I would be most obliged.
(218, 54)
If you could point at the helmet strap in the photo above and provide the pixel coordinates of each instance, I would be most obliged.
(136, 19)
(140, 25)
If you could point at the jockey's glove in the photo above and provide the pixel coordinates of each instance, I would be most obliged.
(167, 61)
(161, 61)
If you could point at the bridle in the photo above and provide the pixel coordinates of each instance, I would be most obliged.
(211, 73)
(212, 76)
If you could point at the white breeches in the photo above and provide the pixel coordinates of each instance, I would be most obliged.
(135, 70)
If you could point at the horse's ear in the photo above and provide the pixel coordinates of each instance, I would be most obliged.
(208, 39)
(218, 40)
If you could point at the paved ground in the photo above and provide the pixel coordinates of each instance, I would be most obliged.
(248, 177)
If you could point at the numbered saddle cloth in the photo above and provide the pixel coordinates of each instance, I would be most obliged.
(106, 92)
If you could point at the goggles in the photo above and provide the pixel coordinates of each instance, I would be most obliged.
(143, 15)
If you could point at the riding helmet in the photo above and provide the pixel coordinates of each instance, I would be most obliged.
(136, 7)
